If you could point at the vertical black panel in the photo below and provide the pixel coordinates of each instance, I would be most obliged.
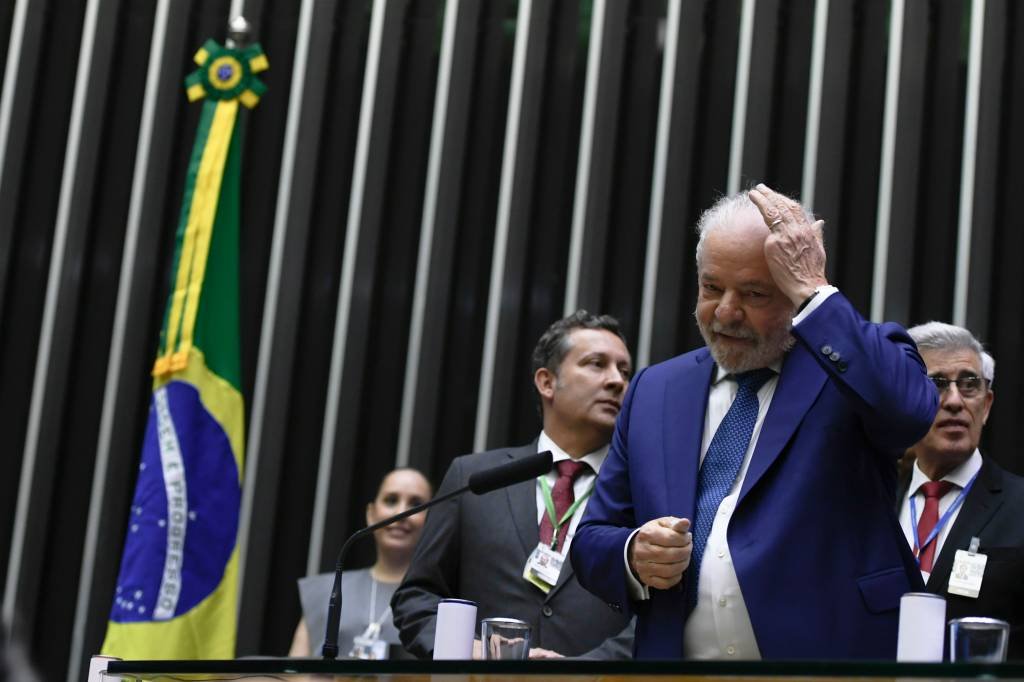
(384, 265)
(849, 197)
(6, 19)
(268, 453)
(395, 275)
(261, 169)
(34, 212)
(20, 87)
(784, 167)
(676, 240)
(470, 27)
(598, 156)
(1004, 435)
(710, 157)
(935, 229)
(634, 163)
(907, 155)
(97, 275)
(987, 178)
(464, 330)
(367, 218)
(515, 218)
(835, 120)
(339, 126)
(763, 92)
(543, 285)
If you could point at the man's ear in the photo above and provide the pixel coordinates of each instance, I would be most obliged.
(369, 514)
(544, 379)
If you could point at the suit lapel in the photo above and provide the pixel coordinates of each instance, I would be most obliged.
(522, 502)
(981, 504)
(686, 401)
(799, 384)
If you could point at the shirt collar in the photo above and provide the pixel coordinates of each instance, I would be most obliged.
(595, 459)
(959, 476)
(721, 374)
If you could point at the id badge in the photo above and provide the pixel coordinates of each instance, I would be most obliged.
(543, 566)
(968, 570)
(369, 648)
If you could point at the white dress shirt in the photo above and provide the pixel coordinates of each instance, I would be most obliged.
(719, 627)
(580, 486)
(959, 477)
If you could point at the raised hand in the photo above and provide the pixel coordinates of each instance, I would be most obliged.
(794, 250)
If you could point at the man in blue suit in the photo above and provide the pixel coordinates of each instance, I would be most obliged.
(777, 443)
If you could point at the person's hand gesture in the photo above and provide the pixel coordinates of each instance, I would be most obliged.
(794, 250)
(660, 551)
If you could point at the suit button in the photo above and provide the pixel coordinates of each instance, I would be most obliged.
(835, 357)
(841, 366)
(547, 611)
(826, 349)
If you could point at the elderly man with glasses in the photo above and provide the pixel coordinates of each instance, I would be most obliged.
(963, 514)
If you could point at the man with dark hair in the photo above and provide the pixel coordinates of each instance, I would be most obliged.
(953, 494)
(776, 444)
(503, 549)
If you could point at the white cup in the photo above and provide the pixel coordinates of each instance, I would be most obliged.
(454, 629)
(922, 625)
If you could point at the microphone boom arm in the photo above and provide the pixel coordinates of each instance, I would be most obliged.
(479, 483)
(330, 649)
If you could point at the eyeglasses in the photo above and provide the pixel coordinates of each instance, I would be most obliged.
(969, 386)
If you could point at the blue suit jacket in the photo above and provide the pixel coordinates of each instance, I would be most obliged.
(818, 551)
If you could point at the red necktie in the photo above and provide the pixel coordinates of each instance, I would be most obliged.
(933, 492)
(563, 497)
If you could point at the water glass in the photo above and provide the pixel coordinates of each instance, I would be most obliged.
(978, 640)
(505, 639)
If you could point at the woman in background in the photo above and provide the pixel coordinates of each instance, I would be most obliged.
(366, 630)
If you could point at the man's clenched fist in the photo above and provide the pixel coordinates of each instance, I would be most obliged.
(660, 551)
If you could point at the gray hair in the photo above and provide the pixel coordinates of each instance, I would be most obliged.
(726, 211)
(988, 367)
(948, 337)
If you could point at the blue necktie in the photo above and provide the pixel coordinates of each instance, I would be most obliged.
(722, 463)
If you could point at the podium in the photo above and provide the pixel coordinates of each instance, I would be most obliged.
(558, 670)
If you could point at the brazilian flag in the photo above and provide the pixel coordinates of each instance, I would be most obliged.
(177, 588)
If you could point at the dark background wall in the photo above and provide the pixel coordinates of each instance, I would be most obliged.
(427, 185)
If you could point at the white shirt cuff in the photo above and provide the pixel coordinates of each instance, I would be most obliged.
(820, 294)
(636, 590)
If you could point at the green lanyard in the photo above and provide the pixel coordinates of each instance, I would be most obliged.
(556, 525)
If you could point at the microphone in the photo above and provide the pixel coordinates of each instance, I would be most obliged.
(510, 473)
(522, 469)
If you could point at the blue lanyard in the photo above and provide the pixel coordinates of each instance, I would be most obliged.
(941, 522)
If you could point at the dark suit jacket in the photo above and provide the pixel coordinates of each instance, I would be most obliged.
(993, 512)
(818, 552)
(475, 547)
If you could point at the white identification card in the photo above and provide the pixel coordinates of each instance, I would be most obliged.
(544, 565)
(968, 570)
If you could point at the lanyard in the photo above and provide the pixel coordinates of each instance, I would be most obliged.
(373, 629)
(941, 522)
(549, 503)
